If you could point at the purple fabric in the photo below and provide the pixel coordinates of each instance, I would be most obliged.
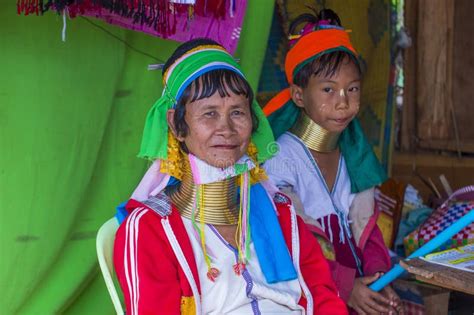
(342, 251)
(225, 31)
(152, 183)
(375, 256)
(343, 277)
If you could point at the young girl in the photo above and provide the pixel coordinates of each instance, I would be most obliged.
(202, 235)
(325, 161)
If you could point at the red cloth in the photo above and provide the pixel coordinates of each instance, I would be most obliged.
(314, 267)
(375, 257)
(342, 250)
(160, 282)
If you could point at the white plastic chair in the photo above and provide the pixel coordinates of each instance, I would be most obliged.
(105, 252)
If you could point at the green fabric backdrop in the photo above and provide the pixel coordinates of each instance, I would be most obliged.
(71, 117)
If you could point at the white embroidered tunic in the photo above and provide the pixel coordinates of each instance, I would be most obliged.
(294, 167)
(248, 293)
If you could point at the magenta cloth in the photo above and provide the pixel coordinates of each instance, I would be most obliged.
(375, 256)
(226, 30)
(342, 250)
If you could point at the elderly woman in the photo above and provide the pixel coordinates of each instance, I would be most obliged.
(202, 235)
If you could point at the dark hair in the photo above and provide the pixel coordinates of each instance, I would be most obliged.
(222, 81)
(327, 64)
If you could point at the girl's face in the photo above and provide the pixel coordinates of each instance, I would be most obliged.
(331, 102)
(219, 129)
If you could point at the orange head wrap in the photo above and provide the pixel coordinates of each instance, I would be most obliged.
(308, 47)
(362, 165)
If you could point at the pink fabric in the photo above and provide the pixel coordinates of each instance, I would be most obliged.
(369, 227)
(374, 258)
(343, 277)
(375, 255)
(194, 169)
(152, 183)
(342, 249)
(226, 31)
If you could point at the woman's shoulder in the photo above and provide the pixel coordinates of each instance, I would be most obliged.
(284, 207)
(281, 200)
(159, 205)
(148, 213)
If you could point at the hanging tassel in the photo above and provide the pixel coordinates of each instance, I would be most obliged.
(240, 234)
(340, 221)
(243, 226)
(239, 268)
(151, 13)
(201, 230)
(28, 6)
(212, 272)
(33, 7)
(19, 6)
(175, 21)
(231, 8)
(190, 16)
(63, 32)
(218, 7)
(247, 217)
(190, 12)
(161, 15)
(163, 21)
(41, 7)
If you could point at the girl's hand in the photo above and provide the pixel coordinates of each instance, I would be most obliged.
(395, 302)
(366, 301)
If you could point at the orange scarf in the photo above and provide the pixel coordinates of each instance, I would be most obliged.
(364, 169)
(306, 49)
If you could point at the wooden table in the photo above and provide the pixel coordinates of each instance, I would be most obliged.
(439, 275)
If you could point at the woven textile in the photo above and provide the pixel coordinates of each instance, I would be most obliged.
(440, 219)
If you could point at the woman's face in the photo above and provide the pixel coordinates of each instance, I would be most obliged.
(219, 129)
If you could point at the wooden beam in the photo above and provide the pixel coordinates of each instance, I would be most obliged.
(459, 172)
(442, 276)
(408, 128)
(434, 64)
(465, 146)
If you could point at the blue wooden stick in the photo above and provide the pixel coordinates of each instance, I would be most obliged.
(436, 242)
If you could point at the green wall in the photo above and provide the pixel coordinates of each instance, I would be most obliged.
(71, 117)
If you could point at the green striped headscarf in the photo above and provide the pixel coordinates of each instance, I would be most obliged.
(176, 79)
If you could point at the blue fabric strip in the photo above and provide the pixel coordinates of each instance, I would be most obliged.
(121, 212)
(272, 252)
